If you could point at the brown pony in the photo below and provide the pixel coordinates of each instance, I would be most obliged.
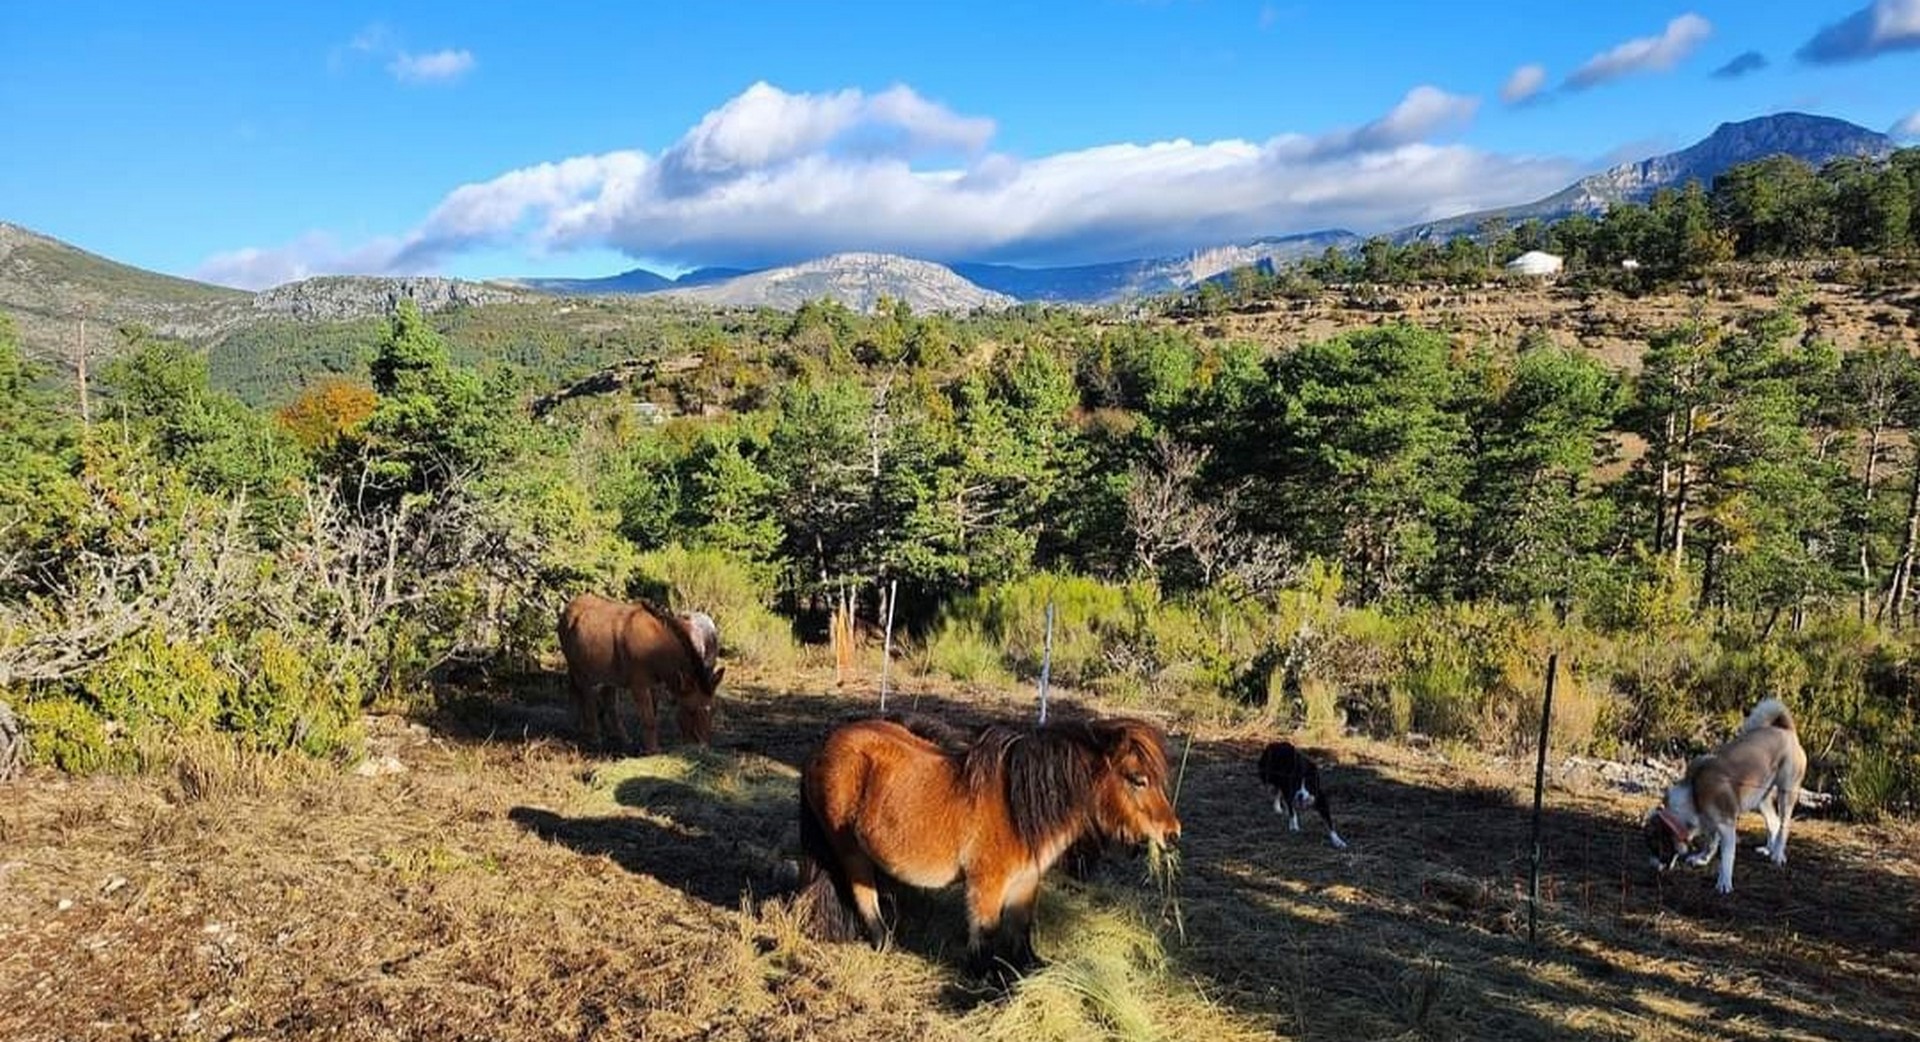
(884, 798)
(639, 647)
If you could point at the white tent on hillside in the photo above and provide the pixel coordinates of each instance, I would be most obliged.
(1536, 262)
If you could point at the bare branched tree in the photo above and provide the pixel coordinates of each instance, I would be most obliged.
(1163, 510)
(99, 597)
(1170, 513)
(348, 572)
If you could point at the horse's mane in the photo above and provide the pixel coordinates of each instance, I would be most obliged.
(673, 625)
(1047, 772)
(953, 739)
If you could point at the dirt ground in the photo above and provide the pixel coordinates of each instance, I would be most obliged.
(493, 882)
(1614, 326)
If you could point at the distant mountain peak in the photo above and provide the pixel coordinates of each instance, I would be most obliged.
(1813, 139)
(856, 279)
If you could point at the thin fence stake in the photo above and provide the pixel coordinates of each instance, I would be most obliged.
(1181, 778)
(1539, 789)
(886, 660)
(1046, 663)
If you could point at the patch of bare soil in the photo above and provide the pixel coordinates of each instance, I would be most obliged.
(487, 880)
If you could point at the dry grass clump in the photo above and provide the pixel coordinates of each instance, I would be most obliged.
(1108, 977)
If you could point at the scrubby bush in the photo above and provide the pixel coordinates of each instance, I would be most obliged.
(729, 590)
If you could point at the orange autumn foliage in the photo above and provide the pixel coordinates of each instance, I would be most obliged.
(327, 412)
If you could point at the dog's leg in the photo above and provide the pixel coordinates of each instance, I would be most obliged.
(1326, 815)
(1729, 844)
(1293, 819)
(1705, 854)
(1788, 796)
(1772, 818)
(1279, 802)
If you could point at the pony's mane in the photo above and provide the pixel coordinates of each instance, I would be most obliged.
(1047, 772)
(697, 662)
(951, 738)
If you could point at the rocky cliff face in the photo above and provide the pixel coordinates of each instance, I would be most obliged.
(338, 297)
(857, 280)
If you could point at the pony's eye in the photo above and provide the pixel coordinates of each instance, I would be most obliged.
(1138, 781)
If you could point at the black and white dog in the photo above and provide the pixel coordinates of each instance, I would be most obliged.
(1295, 782)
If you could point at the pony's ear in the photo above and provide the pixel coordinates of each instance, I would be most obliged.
(713, 679)
(1114, 741)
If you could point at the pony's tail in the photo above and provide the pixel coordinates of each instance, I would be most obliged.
(825, 899)
(1769, 713)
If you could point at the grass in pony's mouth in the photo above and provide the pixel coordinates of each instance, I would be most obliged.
(1163, 871)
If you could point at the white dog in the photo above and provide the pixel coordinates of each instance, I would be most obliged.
(1764, 760)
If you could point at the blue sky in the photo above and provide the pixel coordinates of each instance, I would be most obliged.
(250, 143)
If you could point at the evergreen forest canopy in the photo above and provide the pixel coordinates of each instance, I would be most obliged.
(1389, 523)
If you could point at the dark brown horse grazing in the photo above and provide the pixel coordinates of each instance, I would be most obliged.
(639, 647)
(880, 799)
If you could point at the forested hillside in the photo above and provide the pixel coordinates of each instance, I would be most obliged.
(1392, 524)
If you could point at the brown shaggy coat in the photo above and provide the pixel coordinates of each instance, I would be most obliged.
(640, 647)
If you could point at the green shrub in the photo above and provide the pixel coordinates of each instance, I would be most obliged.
(287, 703)
(732, 592)
(155, 680)
(960, 650)
(1871, 782)
(1089, 617)
(66, 733)
(701, 580)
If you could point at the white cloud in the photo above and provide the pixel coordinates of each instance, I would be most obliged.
(374, 39)
(1879, 27)
(379, 42)
(315, 253)
(436, 67)
(1908, 128)
(1645, 54)
(1422, 112)
(1526, 81)
(772, 177)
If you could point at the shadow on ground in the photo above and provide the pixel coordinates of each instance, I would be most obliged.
(1418, 930)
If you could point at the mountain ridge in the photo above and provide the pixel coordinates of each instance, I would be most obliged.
(1813, 139)
(50, 286)
(856, 279)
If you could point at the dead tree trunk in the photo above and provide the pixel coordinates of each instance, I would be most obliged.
(1866, 522)
(1901, 580)
(13, 744)
(1681, 499)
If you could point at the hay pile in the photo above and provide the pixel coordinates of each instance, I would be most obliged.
(1108, 976)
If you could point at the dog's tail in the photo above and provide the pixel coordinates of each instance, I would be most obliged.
(825, 900)
(1769, 713)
